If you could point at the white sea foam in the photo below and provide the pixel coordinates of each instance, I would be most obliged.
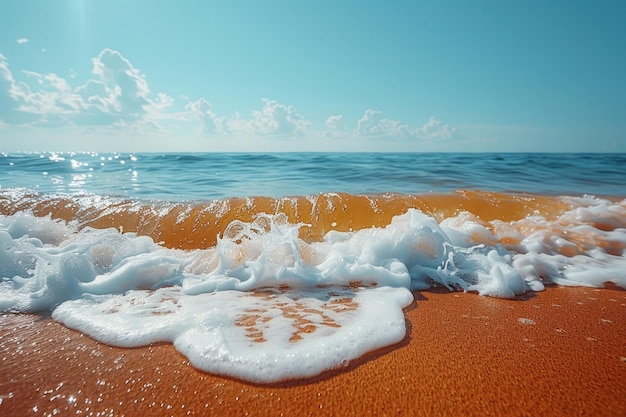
(261, 337)
(227, 309)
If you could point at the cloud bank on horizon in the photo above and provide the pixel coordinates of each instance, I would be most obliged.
(117, 97)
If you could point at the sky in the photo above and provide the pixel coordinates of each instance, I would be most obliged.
(342, 75)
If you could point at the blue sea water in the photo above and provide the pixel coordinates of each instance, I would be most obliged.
(208, 176)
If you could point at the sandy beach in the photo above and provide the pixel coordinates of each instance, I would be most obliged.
(558, 352)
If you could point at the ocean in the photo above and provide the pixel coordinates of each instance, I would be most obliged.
(211, 176)
(270, 267)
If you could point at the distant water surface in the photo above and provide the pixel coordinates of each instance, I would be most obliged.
(207, 176)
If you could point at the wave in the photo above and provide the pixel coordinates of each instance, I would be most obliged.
(193, 225)
(268, 289)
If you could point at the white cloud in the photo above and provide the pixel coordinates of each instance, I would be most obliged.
(203, 112)
(278, 119)
(117, 96)
(274, 119)
(128, 89)
(436, 130)
(373, 123)
(12, 96)
(335, 126)
(97, 104)
(22, 40)
(335, 122)
(54, 101)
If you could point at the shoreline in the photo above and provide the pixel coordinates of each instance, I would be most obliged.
(557, 352)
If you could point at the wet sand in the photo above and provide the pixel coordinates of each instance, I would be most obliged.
(558, 352)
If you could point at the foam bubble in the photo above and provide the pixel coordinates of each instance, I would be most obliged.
(263, 336)
(414, 251)
(50, 263)
(265, 305)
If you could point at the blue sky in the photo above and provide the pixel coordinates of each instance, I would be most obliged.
(313, 75)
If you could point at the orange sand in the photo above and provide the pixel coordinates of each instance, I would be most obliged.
(463, 355)
(193, 226)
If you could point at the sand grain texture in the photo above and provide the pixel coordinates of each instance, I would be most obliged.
(558, 352)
